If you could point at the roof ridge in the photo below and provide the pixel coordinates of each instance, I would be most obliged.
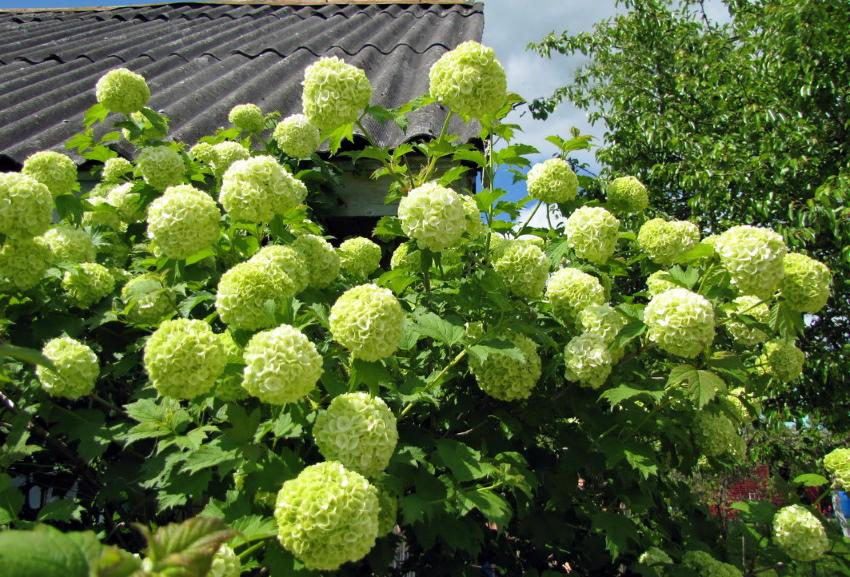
(307, 3)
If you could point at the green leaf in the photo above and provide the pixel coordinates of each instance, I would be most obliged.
(786, 321)
(95, 115)
(254, 528)
(700, 251)
(430, 325)
(687, 278)
(155, 420)
(452, 174)
(210, 455)
(484, 348)
(463, 461)
(11, 500)
(628, 333)
(491, 505)
(115, 562)
(62, 510)
(388, 228)
(811, 480)
(619, 531)
(339, 135)
(189, 545)
(702, 385)
(372, 374)
(44, 552)
(26, 355)
(621, 393)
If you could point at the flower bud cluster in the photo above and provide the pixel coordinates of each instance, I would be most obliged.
(335, 93)
(469, 80)
(75, 368)
(799, 533)
(552, 181)
(506, 377)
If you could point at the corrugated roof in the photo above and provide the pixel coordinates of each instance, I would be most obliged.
(202, 59)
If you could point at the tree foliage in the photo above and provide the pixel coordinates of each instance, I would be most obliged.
(738, 121)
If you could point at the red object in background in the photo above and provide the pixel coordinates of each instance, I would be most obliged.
(754, 487)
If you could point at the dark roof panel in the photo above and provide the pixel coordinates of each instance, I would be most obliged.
(201, 59)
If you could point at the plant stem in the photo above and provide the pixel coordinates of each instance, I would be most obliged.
(365, 132)
(458, 358)
(252, 548)
(518, 231)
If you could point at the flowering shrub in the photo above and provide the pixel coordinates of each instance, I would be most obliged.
(503, 396)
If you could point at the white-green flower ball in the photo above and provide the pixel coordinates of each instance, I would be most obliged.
(247, 117)
(321, 258)
(405, 256)
(654, 556)
(754, 258)
(587, 360)
(122, 91)
(474, 226)
(592, 233)
(202, 152)
(658, 282)
(505, 377)
(799, 533)
(225, 563)
(335, 93)
(26, 206)
(161, 166)
(147, 300)
(433, 216)
(702, 564)
(76, 368)
(570, 290)
(627, 194)
(602, 320)
(296, 136)
(281, 365)
(680, 322)
(714, 433)
(183, 221)
(127, 203)
(753, 307)
(250, 293)
(288, 261)
(388, 514)
(69, 244)
(782, 360)
(469, 80)
(359, 257)
(183, 358)
(54, 170)
(23, 262)
(552, 181)
(837, 462)
(115, 168)
(104, 215)
(805, 284)
(327, 516)
(224, 154)
(663, 240)
(258, 188)
(359, 431)
(368, 321)
(524, 268)
(87, 284)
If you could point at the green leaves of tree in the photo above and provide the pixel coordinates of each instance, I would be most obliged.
(702, 386)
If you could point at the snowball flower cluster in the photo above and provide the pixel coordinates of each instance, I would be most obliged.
(702, 564)
(250, 293)
(506, 377)
(753, 257)
(183, 221)
(587, 360)
(281, 365)
(256, 189)
(474, 226)
(184, 358)
(715, 435)
(602, 320)
(126, 202)
(224, 154)
(627, 194)
(288, 261)
(367, 320)
(225, 563)
(115, 168)
(782, 360)
(658, 282)
(469, 80)
(69, 244)
(122, 91)
(837, 462)
(663, 241)
(247, 118)
(296, 136)
(359, 257)
(524, 268)
(680, 322)
(202, 152)
(335, 93)
(359, 431)
(753, 307)
(161, 166)
(404, 257)
(327, 516)
(433, 216)
(570, 290)
(552, 181)
(320, 257)
(87, 284)
(26, 206)
(54, 170)
(592, 233)
(388, 512)
(799, 533)
(103, 214)
(75, 368)
(805, 283)
(23, 262)
(146, 300)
